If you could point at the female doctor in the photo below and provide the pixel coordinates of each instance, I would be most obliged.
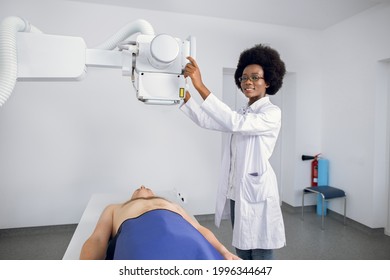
(247, 180)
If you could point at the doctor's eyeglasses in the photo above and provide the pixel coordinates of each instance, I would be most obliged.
(253, 78)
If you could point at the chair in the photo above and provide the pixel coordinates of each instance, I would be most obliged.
(326, 193)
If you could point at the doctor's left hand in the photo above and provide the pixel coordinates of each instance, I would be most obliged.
(192, 70)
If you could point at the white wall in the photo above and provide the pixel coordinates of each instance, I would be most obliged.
(61, 142)
(355, 112)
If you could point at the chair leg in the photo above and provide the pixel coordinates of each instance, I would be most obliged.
(345, 210)
(303, 202)
(322, 213)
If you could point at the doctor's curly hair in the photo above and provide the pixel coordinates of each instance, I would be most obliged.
(269, 59)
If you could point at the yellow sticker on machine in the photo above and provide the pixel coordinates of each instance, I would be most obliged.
(181, 93)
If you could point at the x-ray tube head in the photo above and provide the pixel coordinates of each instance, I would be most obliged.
(164, 50)
(159, 68)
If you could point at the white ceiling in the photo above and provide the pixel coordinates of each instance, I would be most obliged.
(312, 14)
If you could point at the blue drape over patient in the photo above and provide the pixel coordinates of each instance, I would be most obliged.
(160, 235)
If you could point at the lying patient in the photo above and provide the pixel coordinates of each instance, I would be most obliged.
(150, 227)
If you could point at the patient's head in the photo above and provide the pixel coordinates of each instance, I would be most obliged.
(142, 192)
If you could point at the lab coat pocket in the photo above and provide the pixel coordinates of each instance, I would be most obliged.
(254, 187)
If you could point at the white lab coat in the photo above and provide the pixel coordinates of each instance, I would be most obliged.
(258, 217)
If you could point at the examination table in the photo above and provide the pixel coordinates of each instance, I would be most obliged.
(91, 214)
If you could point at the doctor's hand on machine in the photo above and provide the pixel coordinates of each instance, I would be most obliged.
(192, 70)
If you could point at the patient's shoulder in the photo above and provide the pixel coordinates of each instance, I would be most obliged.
(111, 208)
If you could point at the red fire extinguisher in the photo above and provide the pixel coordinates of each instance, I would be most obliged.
(314, 168)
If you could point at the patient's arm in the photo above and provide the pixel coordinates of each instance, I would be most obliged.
(96, 245)
(208, 235)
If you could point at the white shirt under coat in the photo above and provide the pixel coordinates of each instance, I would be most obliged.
(258, 217)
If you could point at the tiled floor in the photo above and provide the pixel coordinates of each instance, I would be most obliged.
(305, 240)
